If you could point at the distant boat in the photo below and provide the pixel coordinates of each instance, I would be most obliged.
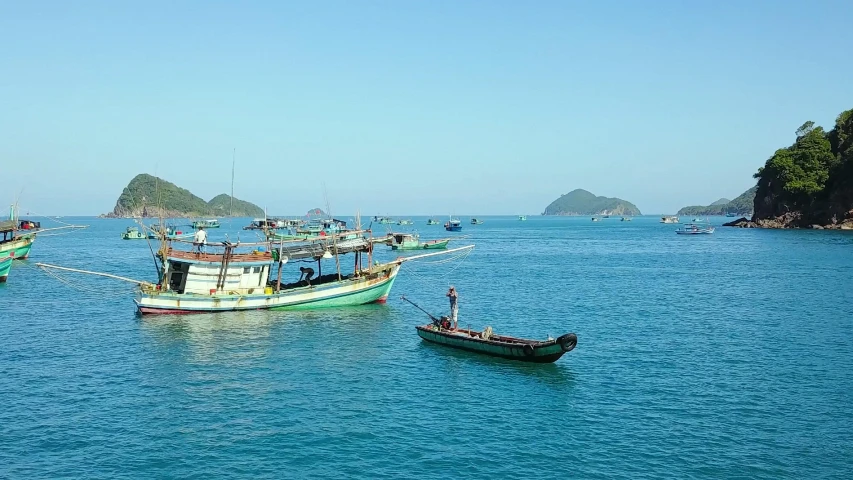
(731, 214)
(596, 219)
(522, 217)
(133, 233)
(669, 219)
(476, 221)
(626, 219)
(432, 221)
(453, 226)
(404, 222)
(383, 220)
(695, 229)
(212, 223)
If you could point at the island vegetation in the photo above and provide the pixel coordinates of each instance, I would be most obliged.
(150, 196)
(808, 184)
(742, 205)
(582, 202)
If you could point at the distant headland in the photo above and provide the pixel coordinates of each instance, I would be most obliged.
(145, 192)
(742, 205)
(582, 202)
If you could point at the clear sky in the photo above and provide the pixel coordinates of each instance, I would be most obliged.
(411, 107)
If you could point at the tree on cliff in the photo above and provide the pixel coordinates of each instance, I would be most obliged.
(812, 178)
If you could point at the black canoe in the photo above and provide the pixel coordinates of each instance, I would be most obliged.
(500, 346)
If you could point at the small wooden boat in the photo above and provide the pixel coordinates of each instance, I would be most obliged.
(133, 233)
(486, 342)
(6, 266)
(12, 243)
(522, 217)
(730, 214)
(669, 219)
(404, 222)
(432, 221)
(596, 219)
(626, 219)
(476, 221)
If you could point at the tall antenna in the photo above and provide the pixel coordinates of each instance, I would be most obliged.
(233, 160)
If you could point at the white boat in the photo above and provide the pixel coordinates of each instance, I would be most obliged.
(669, 219)
(695, 229)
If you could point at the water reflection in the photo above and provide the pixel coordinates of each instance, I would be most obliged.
(557, 374)
(231, 336)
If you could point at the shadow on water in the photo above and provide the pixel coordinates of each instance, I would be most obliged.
(554, 374)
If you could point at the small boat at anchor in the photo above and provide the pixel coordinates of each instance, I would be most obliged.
(133, 233)
(669, 219)
(476, 221)
(487, 342)
(212, 223)
(405, 222)
(432, 221)
(409, 241)
(522, 218)
(695, 229)
(453, 225)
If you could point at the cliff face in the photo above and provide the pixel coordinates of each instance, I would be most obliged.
(810, 183)
(149, 196)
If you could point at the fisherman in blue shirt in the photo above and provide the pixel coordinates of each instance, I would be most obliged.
(454, 305)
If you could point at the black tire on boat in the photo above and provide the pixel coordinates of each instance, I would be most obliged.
(528, 349)
(568, 342)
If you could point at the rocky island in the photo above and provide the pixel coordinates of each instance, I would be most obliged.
(808, 184)
(582, 202)
(140, 199)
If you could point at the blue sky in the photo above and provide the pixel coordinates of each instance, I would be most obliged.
(411, 107)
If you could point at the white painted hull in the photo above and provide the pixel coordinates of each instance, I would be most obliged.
(366, 289)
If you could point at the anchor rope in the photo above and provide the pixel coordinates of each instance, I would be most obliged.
(79, 286)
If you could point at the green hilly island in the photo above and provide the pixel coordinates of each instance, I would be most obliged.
(741, 205)
(150, 196)
(582, 202)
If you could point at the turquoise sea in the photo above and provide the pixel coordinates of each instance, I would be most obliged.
(720, 356)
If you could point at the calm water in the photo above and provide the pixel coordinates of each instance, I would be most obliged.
(727, 355)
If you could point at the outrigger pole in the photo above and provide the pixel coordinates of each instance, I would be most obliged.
(108, 275)
(424, 255)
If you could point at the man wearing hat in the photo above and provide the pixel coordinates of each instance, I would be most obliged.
(454, 305)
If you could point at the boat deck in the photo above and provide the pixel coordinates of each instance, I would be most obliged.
(217, 257)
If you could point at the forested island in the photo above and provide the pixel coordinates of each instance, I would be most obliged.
(149, 196)
(808, 184)
(582, 202)
(742, 205)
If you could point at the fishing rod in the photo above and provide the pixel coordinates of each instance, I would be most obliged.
(421, 309)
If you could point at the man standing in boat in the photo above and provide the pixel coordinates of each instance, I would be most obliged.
(200, 239)
(454, 305)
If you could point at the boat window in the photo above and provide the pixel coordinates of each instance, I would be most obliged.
(247, 269)
(257, 270)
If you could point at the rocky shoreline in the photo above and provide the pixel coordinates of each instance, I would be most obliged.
(788, 221)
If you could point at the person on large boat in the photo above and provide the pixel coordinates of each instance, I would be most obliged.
(307, 272)
(200, 239)
(454, 305)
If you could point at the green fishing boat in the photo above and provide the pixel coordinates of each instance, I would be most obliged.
(133, 233)
(432, 221)
(5, 267)
(212, 223)
(476, 221)
(409, 241)
(16, 245)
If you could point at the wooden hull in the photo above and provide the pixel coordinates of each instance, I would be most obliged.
(358, 291)
(518, 349)
(18, 247)
(453, 228)
(5, 268)
(431, 245)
